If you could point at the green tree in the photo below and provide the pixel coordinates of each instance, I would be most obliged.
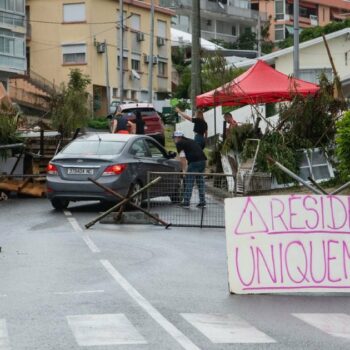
(69, 106)
(343, 146)
(315, 32)
(216, 72)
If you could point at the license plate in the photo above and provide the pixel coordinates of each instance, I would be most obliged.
(80, 171)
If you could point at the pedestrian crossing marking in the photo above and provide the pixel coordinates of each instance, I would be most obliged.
(4, 337)
(337, 325)
(104, 329)
(226, 329)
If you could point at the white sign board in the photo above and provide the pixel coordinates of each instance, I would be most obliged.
(288, 243)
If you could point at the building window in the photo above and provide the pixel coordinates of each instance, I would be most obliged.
(162, 69)
(74, 13)
(134, 95)
(234, 30)
(161, 29)
(6, 45)
(279, 9)
(114, 92)
(314, 164)
(135, 64)
(12, 5)
(135, 21)
(125, 63)
(279, 32)
(74, 54)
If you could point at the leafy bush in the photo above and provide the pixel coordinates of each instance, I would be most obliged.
(343, 146)
(8, 128)
(98, 123)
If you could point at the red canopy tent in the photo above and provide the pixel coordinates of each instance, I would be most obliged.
(260, 84)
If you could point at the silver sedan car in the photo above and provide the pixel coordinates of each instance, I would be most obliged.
(120, 162)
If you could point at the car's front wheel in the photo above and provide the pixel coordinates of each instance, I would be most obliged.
(60, 204)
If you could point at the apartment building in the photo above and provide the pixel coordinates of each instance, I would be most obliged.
(68, 34)
(12, 38)
(312, 13)
(220, 19)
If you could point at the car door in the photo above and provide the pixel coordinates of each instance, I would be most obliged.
(139, 151)
(161, 163)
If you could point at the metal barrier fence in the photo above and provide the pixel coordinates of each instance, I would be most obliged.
(166, 198)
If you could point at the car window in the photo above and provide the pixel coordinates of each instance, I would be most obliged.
(138, 149)
(106, 148)
(155, 150)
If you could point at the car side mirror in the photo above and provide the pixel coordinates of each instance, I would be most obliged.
(172, 154)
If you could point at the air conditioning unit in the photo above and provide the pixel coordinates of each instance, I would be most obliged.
(147, 59)
(160, 41)
(287, 17)
(100, 47)
(140, 36)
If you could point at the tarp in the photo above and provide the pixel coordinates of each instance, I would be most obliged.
(260, 84)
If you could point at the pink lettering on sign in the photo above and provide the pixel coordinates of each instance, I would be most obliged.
(293, 263)
(309, 214)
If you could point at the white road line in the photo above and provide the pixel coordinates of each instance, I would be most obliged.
(80, 292)
(337, 325)
(185, 342)
(105, 329)
(75, 224)
(67, 213)
(4, 336)
(92, 246)
(227, 329)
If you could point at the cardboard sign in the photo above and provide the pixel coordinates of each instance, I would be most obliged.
(288, 243)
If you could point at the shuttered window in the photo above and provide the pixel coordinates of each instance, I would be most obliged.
(74, 13)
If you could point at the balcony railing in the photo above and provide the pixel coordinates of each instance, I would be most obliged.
(9, 19)
(215, 7)
(219, 36)
(11, 63)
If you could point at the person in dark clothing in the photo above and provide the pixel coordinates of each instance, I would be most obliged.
(140, 124)
(200, 126)
(121, 124)
(196, 160)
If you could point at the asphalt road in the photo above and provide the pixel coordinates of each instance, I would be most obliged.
(140, 287)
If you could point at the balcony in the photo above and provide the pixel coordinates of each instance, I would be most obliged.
(218, 8)
(11, 21)
(208, 35)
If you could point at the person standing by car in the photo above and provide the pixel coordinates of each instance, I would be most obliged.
(139, 123)
(196, 160)
(200, 126)
(121, 124)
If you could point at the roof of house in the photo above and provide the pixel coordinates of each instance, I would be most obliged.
(272, 56)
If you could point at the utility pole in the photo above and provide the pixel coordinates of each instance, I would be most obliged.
(296, 39)
(108, 94)
(259, 35)
(150, 64)
(196, 57)
(121, 49)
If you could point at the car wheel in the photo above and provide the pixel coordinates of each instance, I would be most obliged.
(133, 189)
(60, 204)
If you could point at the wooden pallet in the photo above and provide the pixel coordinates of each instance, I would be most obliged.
(28, 186)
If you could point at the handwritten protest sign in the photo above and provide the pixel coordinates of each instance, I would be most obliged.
(288, 243)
